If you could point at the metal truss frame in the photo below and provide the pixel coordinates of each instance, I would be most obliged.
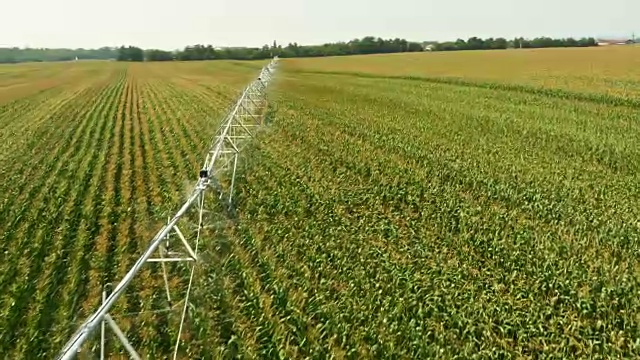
(173, 245)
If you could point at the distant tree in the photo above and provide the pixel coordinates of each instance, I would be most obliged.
(475, 43)
(158, 55)
(414, 47)
(587, 42)
(123, 54)
(130, 53)
(461, 45)
(500, 43)
(571, 42)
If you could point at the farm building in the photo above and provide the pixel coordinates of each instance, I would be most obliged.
(607, 42)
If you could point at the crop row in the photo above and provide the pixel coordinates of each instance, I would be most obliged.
(391, 218)
(95, 166)
(595, 71)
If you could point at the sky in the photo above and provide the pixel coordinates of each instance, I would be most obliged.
(173, 24)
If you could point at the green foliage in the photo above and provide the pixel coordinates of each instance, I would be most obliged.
(17, 55)
(197, 52)
(130, 53)
(104, 133)
(475, 43)
(395, 218)
(546, 42)
(367, 45)
(158, 55)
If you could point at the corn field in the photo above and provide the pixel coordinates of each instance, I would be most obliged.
(383, 213)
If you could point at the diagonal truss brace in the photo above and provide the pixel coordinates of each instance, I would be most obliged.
(173, 256)
(108, 320)
(120, 335)
(123, 339)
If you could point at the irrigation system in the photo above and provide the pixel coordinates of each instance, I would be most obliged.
(177, 242)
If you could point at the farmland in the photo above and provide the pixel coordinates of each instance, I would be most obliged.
(398, 206)
(89, 151)
(426, 218)
(612, 71)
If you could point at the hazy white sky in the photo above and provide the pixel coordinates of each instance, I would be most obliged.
(173, 24)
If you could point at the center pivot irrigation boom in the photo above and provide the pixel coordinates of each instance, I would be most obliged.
(222, 158)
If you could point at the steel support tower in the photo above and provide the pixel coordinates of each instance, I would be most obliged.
(178, 241)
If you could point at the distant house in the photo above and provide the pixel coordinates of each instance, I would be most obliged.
(607, 42)
(428, 45)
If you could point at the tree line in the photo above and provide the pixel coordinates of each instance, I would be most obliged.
(18, 55)
(475, 43)
(366, 45)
